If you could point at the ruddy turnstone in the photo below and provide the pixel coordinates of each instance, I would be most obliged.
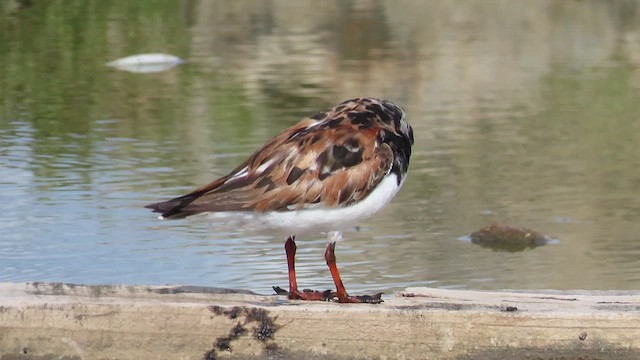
(322, 174)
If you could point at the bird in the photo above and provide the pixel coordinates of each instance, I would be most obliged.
(323, 174)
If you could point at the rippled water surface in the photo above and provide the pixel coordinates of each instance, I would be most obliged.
(526, 115)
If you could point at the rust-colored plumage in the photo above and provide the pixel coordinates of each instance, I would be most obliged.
(332, 159)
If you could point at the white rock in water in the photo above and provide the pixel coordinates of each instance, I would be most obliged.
(146, 63)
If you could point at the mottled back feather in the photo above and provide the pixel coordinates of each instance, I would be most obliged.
(332, 159)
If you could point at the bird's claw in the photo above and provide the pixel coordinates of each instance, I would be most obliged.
(328, 295)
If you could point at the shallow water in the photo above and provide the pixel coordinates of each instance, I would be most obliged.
(522, 115)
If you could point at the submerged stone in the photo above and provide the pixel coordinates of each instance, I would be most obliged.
(502, 237)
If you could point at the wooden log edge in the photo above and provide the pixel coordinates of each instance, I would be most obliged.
(68, 321)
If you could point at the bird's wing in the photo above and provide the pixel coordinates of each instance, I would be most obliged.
(312, 164)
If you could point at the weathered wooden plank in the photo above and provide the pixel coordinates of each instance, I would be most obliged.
(51, 321)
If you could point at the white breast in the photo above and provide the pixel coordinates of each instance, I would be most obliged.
(314, 220)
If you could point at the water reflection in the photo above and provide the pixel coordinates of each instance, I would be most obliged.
(522, 114)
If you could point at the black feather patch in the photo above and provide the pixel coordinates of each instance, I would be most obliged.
(294, 175)
(173, 207)
(347, 155)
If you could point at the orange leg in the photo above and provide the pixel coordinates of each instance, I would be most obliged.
(294, 294)
(290, 249)
(330, 256)
(341, 292)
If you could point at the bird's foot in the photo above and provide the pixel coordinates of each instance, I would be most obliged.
(328, 295)
(362, 299)
(306, 294)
